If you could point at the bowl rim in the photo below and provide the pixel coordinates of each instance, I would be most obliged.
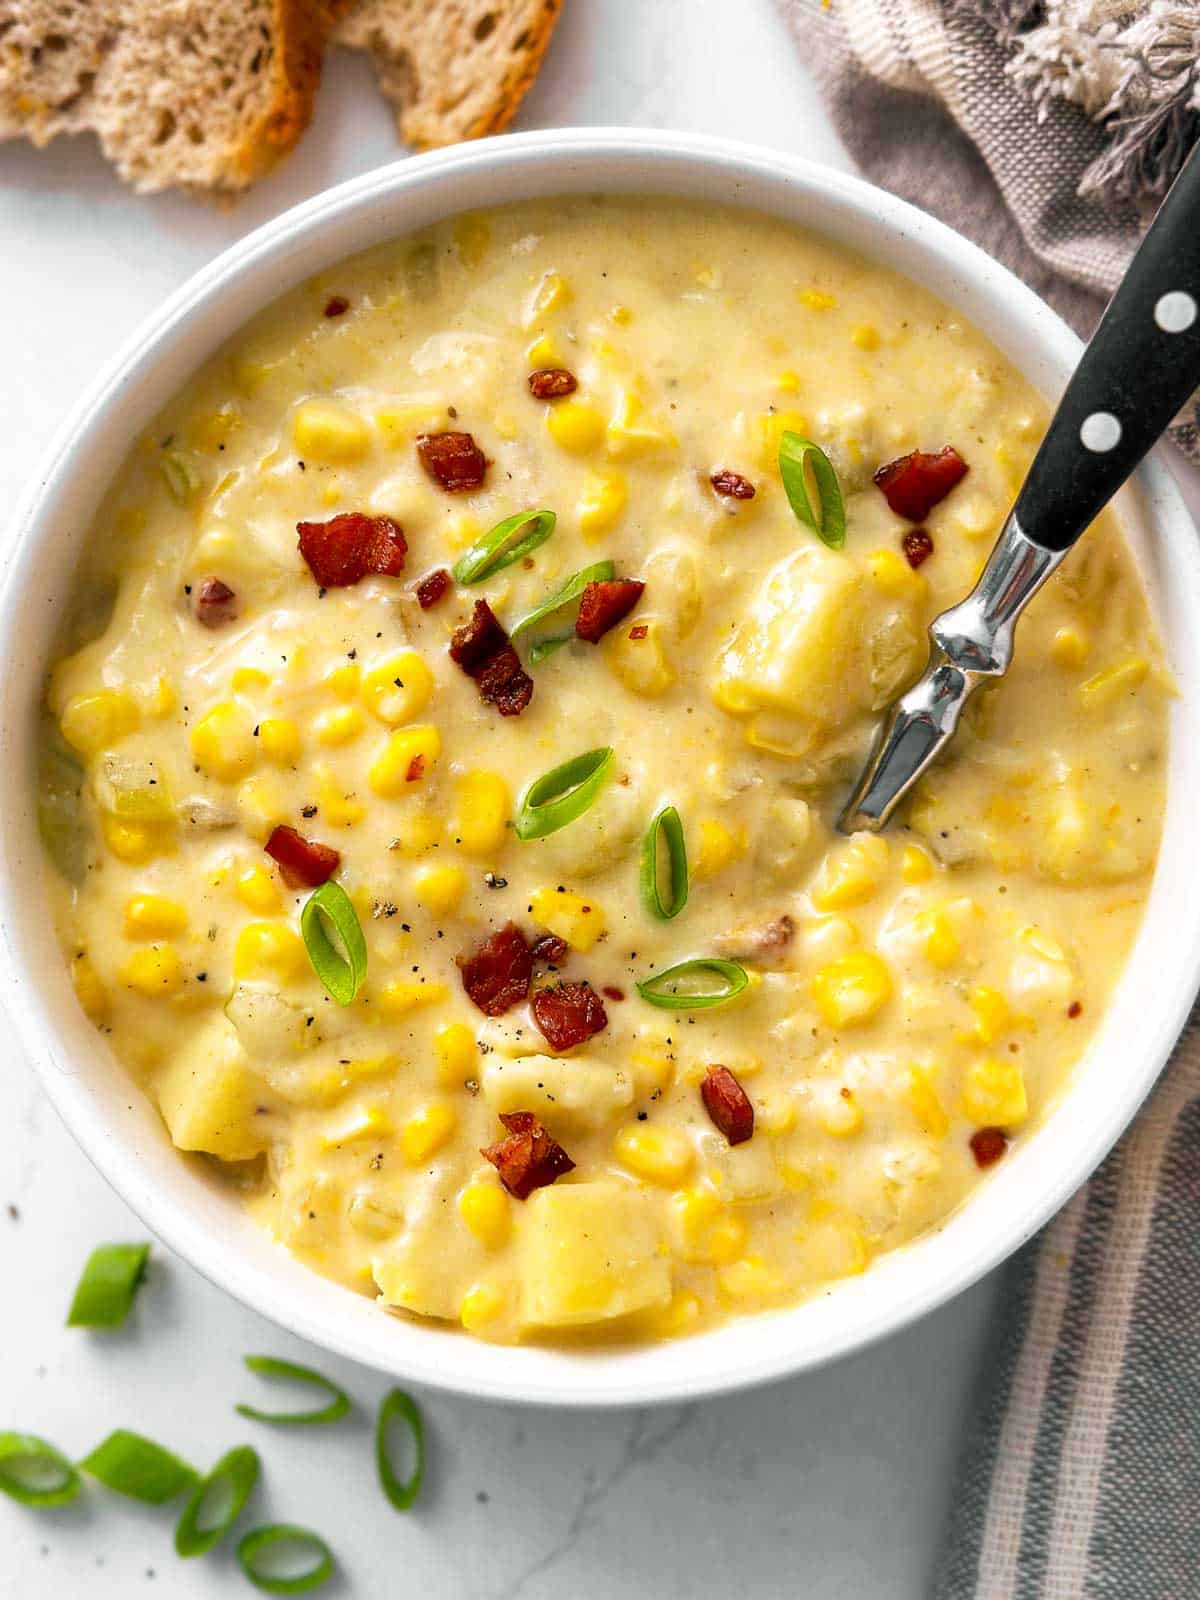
(466, 1366)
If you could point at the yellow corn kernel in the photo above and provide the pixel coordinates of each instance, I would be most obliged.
(258, 891)
(1069, 646)
(94, 722)
(551, 292)
(631, 433)
(402, 995)
(660, 1155)
(578, 920)
(774, 1113)
(852, 989)
(261, 806)
(136, 842)
(269, 949)
(915, 865)
(487, 1212)
(704, 1229)
(636, 654)
(399, 688)
(154, 916)
(327, 1087)
(924, 1104)
(364, 1122)
(455, 1054)
(942, 944)
(717, 847)
(223, 742)
(865, 335)
(817, 300)
(841, 1116)
(159, 698)
(575, 425)
(214, 429)
(416, 833)
(327, 432)
(1043, 944)
(770, 428)
(337, 808)
(405, 759)
(89, 988)
(992, 1014)
(994, 1093)
(344, 679)
(747, 1279)
(851, 874)
(249, 680)
(1102, 688)
(653, 1070)
(543, 352)
(154, 971)
(891, 573)
(602, 500)
(788, 381)
(439, 888)
(473, 236)
(679, 1316)
(484, 808)
(339, 725)
(481, 1305)
(279, 738)
(427, 1130)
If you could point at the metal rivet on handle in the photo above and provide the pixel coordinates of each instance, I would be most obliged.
(1100, 432)
(1175, 312)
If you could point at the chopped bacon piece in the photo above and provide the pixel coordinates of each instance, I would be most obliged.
(639, 632)
(497, 975)
(732, 485)
(434, 586)
(416, 768)
(452, 459)
(611, 992)
(569, 1013)
(482, 649)
(528, 1158)
(913, 484)
(917, 547)
(216, 603)
(728, 1104)
(764, 944)
(1075, 1009)
(337, 305)
(988, 1145)
(344, 549)
(602, 605)
(304, 863)
(551, 383)
(551, 949)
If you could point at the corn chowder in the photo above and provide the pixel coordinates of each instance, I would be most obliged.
(302, 678)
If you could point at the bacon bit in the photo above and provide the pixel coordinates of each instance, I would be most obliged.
(497, 975)
(988, 1145)
(611, 992)
(303, 862)
(1075, 1009)
(917, 546)
(453, 460)
(344, 549)
(569, 1013)
(913, 484)
(728, 1104)
(551, 383)
(764, 944)
(551, 949)
(337, 305)
(732, 485)
(482, 649)
(639, 632)
(602, 606)
(215, 603)
(434, 586)
(415, 768)
(528, 1158)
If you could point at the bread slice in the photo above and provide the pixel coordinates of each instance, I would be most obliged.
(208, 94)
(453, 69)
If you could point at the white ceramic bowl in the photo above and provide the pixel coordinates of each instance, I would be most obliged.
(119, 1129)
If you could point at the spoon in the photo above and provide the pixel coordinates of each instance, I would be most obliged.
(1142, 365)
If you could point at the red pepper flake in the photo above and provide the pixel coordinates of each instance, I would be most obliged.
(639, 631)
(337, 305)
(569, 1013)
(728, 1104)
(453, 460)
(344, 549)
(603, 605)
(611, 992)
(917, 546)
(416, 768)
(913, 484)
(434, 586)
(528, 1158)
(482, 649)
(988, 1145)
(215, 603)
(551, 383)
(551, 949)
(303, 862)
(1075, 1009)
(732, 485)
(497, 975)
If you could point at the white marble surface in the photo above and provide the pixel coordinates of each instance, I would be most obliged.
(833, 1485)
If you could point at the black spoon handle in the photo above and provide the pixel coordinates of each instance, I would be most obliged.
(1141, 367)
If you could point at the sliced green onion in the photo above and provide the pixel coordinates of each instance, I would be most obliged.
(129, 1464)
(563, 794)
(34, 1472)
(342, 975)
(507, 542)
(689, 985)
(281, 1558)
(270, 1367)
(180, 476)
(400, 1491)
(811, 486)
(667, 824)
(111, 1278)
(598, 572)
(216, 1502)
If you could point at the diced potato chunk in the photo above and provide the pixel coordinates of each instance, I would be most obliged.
(588, 1252)
(210, 1099)
(564, 1091)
